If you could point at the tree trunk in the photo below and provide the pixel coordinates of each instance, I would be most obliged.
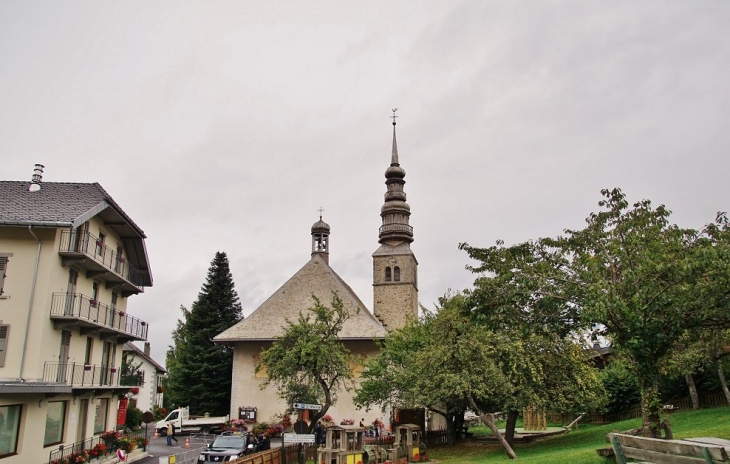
(650, 408)
(723, 381)
(693, 391)
(459, 425)
(509, 431)
(489, 419)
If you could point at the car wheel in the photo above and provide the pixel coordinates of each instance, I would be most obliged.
(205, 430)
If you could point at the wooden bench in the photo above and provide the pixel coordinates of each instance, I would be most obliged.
(653, 450)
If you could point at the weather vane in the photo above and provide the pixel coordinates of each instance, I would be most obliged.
(394, 115)
(320, 212)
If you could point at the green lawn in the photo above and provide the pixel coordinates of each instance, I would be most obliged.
(580, 446)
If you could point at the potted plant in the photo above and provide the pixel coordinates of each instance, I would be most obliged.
(126, 444)
(110, 438)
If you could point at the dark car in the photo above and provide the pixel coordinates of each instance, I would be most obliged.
(227, 448)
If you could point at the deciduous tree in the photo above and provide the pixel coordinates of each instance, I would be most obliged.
(309, 363)
(629, 275)
(448, 364)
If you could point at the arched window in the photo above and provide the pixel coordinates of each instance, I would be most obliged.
(387, 274)
(396, 272)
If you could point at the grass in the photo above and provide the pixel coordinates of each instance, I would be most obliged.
(579, 446)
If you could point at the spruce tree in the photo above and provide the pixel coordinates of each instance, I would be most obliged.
(200, 376)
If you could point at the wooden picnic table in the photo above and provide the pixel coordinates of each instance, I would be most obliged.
(710, 441)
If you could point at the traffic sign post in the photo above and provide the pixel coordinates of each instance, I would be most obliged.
(311, 407)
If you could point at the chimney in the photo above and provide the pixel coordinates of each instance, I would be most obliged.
(147, 349)
(35, 183)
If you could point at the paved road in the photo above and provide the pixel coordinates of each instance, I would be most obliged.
(158, 448)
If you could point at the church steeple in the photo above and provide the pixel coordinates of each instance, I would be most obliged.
(320, 238)
(395, 268)
(395, 212)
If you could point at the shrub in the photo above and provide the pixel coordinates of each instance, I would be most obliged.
(134, 418)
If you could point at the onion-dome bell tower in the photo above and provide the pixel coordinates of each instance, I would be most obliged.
(395, 268)
(321, 239)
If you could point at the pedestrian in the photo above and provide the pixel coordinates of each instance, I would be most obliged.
(169, 434)
(318, 435)
(173, 433)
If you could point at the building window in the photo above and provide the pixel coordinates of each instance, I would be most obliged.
(396, 274)
(102, 409)
(55, 420)
(4, 331)
(388, 277)
(100, 244)
(4, 258)
(89, 350)
(9, 429)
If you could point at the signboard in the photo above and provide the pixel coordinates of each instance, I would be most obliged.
(122, 411)
(299, 438)
(312, 407)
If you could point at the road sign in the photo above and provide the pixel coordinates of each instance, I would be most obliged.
(313, 407)
(298, 438)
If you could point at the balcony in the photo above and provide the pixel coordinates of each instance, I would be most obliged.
(98, 259)
(77, 310)
(396, 228)
(134, 379)
(81, 375)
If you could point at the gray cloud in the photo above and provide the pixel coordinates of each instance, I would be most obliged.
(226, 125)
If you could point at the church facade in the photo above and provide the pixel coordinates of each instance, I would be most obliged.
(395, 300)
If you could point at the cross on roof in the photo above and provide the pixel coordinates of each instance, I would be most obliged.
(320, 212)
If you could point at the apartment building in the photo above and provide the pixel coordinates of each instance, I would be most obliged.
(70, 258)
(150, 392)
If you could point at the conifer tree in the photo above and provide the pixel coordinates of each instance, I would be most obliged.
(200, 376)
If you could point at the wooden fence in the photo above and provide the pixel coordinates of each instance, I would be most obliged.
(435, 438)
(710, 401)
(272, 456)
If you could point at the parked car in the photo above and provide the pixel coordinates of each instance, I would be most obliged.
(228, 447)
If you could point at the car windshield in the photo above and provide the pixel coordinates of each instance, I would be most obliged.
(229, 442)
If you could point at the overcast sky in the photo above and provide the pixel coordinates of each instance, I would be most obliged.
(225, 125)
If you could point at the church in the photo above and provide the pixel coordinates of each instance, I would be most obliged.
(395, 300)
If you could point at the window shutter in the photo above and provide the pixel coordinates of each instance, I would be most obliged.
(3, 268)
(4, 329)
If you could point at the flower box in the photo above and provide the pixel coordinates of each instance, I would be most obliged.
(121, 313)
(93, 303)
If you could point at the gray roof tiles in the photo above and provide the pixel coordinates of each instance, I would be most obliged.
(268, 321)
(56, 203)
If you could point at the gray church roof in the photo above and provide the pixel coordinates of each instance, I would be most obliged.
(268, 321)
